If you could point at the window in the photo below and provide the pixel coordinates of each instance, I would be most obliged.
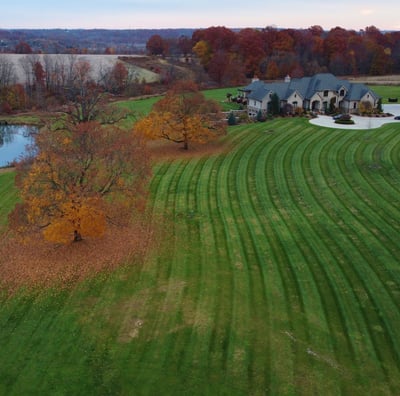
(326, 93)
(341, 92)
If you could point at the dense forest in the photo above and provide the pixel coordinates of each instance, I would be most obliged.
(272, 53)
(215, 56)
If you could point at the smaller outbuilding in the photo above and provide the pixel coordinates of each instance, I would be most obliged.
(320, 93)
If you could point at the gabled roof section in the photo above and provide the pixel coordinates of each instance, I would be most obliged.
(357, 91)
(259, 93)
(254, 85)
(300, 85)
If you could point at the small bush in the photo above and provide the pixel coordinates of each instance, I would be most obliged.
(345, 119)
(260, 117)
(244, 118)
(344, 122)
(231, 119)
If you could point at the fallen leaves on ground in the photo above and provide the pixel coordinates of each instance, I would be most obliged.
(37, 263)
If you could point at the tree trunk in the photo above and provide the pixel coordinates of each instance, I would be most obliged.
(77, 236)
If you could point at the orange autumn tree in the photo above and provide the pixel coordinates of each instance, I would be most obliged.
(184, 116)
(81, 178)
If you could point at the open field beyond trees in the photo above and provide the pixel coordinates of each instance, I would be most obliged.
(278, 273)
(98, 64)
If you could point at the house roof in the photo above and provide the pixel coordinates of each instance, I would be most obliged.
(307, 87)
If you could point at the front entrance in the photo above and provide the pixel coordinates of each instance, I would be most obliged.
(316, 105)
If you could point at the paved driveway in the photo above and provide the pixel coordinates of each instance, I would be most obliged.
(360, 122)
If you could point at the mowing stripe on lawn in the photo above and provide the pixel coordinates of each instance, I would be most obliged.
(337, 281)
(302, 261)
(317, 221)
(351, 227)
(218, 359)
(281, 287)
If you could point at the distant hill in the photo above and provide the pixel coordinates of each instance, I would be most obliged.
(94, 41)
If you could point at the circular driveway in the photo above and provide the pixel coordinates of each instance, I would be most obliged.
(360, 122)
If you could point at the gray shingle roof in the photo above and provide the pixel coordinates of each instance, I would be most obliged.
(306, 87)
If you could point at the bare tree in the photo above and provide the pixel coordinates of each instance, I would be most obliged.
(7, 72)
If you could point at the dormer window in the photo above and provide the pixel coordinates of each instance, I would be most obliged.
(341, 93)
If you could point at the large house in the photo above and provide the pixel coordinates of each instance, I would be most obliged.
(318, 93)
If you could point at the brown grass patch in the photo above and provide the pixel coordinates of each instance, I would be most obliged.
(38, 264)
(377, 80)
(7, 170)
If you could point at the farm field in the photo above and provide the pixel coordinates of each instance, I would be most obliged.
(278, 274)
(98, 63)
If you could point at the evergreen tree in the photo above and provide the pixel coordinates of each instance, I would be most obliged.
(231, 119)
(275, 104)
(380, 108)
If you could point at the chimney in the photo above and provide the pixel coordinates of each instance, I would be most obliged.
(287, 79)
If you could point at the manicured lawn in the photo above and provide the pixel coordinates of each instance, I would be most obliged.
(278, 274)
(143, 106)
(387, 91)
(219, 95)
(8, 195)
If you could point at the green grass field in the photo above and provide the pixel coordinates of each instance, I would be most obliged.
(387, 91)
(143, 106)
(8, 196)
(279, 275)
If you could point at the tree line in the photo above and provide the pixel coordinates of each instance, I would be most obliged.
(229, 56)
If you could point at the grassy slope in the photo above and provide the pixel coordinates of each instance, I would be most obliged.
(279, 275)
(143, 106)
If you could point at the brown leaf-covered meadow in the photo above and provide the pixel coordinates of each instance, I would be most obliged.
(39, 264)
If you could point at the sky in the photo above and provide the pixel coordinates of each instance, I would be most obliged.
(157, 14)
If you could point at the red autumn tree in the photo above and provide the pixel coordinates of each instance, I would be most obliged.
(251, 50)
(23, 48)
(156, 45)
(118, 78)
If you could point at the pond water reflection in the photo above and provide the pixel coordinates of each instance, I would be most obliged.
(13, 142)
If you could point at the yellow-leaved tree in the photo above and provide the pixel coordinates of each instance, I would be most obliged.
(184, 115)
(80, 178)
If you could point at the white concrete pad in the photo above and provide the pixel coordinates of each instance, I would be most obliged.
(361, 122)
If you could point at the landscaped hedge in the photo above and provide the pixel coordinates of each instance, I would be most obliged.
(344, 122)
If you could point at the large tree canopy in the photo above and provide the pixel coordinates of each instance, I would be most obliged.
(82, 177)
(184, 115)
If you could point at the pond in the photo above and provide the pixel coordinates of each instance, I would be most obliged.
(13, 142)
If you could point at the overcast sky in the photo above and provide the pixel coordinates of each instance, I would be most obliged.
(135, 14)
